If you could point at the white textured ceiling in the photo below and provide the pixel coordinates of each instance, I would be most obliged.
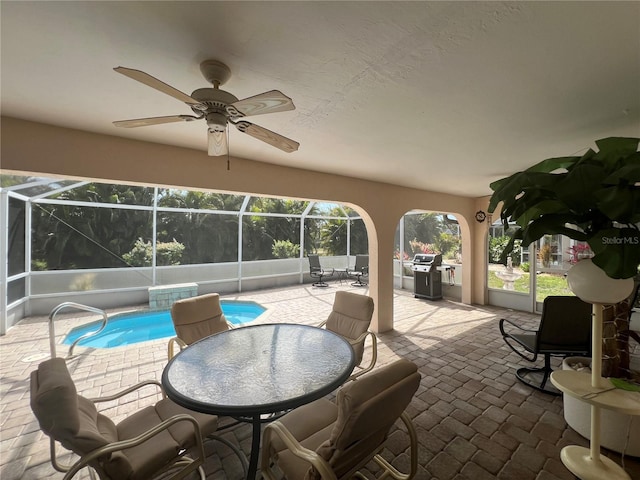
(444, 96)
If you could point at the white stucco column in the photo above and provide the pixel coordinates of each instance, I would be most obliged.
(381, 229)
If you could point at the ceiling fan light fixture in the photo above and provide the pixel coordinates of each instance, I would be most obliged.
(217, 143)
(217, 122)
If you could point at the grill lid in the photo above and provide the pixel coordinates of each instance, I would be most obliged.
(427, 259)
(423, 258)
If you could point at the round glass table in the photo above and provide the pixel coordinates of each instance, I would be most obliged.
(250, 371)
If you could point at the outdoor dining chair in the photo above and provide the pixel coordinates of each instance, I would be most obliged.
(333, 441)
(564, 329)
(316, 271)
(160, 439)
(350, 317)
(195, 318)
(359, 271)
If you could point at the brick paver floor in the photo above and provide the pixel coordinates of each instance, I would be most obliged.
(474, 419)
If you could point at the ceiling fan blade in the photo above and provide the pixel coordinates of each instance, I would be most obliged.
(143, 122)
(153, 82)
(267, 136)
(217, 143)
(267, 102)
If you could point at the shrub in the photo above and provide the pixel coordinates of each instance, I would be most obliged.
(525, 267)
(497, 246)
(285, 249)
(420, 247)
(39, 265)
(167, 253)
(448, 244)
(405, 255)
(578, 252)
(544, 254)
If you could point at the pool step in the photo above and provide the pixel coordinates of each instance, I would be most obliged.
(163, 296)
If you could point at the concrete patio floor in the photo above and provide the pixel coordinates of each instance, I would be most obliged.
(474, 419)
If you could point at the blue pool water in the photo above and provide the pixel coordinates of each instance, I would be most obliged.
(144, 325)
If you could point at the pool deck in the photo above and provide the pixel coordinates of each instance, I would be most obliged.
(474, 419)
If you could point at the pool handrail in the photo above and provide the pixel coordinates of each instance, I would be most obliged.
(76, 306)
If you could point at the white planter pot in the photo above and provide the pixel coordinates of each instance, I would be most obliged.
(614, 426)
(592, 285)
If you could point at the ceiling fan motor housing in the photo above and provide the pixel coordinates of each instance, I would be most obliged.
(215, 101)
(217, 122)
(214, 98)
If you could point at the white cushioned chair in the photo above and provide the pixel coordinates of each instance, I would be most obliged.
(149, 442)
(196, 318)
(331, 441)
(350, 318)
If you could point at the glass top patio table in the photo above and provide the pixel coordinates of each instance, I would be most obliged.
(256, 370)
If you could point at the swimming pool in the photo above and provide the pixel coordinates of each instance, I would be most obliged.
(144, 325)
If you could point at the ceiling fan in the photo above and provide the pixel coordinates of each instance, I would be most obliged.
(218, 108)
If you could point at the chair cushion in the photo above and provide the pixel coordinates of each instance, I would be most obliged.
(307, 421)
(54, 399)
(161, 449)
(367, 408)
(311, 425)
(70, 418)
(147, 458)
(198, 317)
(95, 430)
(63, 414)
(182, 432)
(351, 317)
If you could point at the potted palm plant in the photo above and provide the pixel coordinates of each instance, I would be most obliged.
(594, 198)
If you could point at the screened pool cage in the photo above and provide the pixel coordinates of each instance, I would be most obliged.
(105, 245)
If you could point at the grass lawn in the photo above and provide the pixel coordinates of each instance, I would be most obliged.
(547, 284)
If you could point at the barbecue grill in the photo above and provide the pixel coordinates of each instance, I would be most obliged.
(427, 279)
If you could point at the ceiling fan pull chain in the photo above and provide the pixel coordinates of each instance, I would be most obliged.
(228, 160)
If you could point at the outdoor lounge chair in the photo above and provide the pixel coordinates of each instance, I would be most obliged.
(359, 271)
(316, 271)
(149, 442)
(195, 318)
(351, 317)
(565, 329)
(331, 441)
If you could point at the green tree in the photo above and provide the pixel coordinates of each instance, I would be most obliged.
(208, 237)
(67, 236)
(419, 230)
(497, 246)
(424, 227)
(259, 232)
(333, 233)
(359, 237)
(447, 244)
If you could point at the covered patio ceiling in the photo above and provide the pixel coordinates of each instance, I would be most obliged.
(441, 96)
